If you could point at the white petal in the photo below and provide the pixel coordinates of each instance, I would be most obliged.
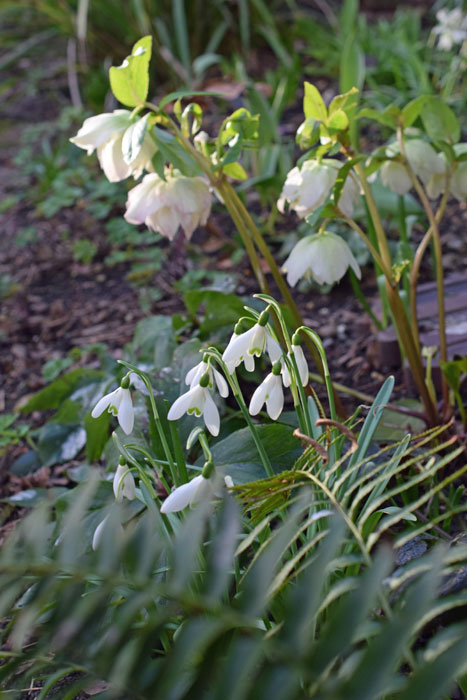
(165, 221)
(182, 496)
(124, 484)
(111, 160)
(258, 398)
(181, 405)
(222, 385)
(126, 416)
(195, 373)
(238, 347)
(249, 362)
(211, 415)
(97, 130)
(274, 349)
(97, 537)
(301, 363)
(257, 340)
(275, 400)
(144, 199)
(104, 403)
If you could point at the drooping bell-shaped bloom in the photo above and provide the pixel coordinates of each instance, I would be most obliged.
(323, 256)
(307, 188)
(166, 205)
(199, 402)
(124, 483)
(105, 133)
(302, 367)
(244, 347)
(424, 160)
(270, 392)
(395, 176)
(194, 375)
(118, 403)
(188, 494)
(427, 165)
(99, 531)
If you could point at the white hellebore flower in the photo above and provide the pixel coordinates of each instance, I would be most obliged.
(244, 347)
(308, 187)
(302, 366)
(395, 176)
(188, 494)
(118, 403)
(323, 256)
(124, 484)
(424, 160)
(451, 28)
(427, 165)
(269, 392)
(165, 205)
(194, 375)
(198, 401)
(106, 133)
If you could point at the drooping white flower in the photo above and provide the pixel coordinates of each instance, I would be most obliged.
(105, 133)
(269, 392)
(308, 187)
(302, 367)
(199, 402)
(166, 205)
(124, 484)
(194, 375)
(451, 28)
(395, 176)
(98, 532)
(188, 494)
(323, 256)
(459, 181)
(244, 347)
(424, 160)
(118, 403)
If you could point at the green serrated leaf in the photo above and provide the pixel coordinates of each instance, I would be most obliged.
(338, 120)
(130, 81)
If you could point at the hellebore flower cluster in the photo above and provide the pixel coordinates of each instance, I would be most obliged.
(422, 158)
(307, 188)
(166, 205)
(106, 133)
(324, 257)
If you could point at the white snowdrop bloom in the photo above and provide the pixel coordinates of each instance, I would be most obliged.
(98, 532)
(302, 367)
(166, 205)
(199, 402)
(105, 133)
(244, 348)
(118, 403)
(308, 187)
(323, 256)
(395, 176)
(269, 392)
(188, 494)
(451, 28)
(124, 484)
(194, 375)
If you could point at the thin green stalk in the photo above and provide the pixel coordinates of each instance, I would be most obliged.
(327, 377)
(157, 420)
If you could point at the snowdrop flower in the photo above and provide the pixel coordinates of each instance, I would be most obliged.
(308, 187)
(99, 531)
(105, 133)
(195, 374)
(188, 494)
(323, 256)
(166, 205)
(269, 392)
(302, 366)
(451, 28)
(243, 347)
(199, 402)
(118, 403)
(124, 483)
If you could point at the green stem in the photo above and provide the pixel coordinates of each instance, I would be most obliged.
(327, 377)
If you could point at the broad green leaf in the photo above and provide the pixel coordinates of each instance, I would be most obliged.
(338, 120)
(220, 309)
(235, 171)
(174, 153)
(97, 434)
(346, 101)
(439, 120)
(238, 456)
(130, 81)
(53, 395)
(388, 117)
(154, 340)
(313, 104)
(412, 110)
(453, 371)
(180, 94)
(60, 442)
